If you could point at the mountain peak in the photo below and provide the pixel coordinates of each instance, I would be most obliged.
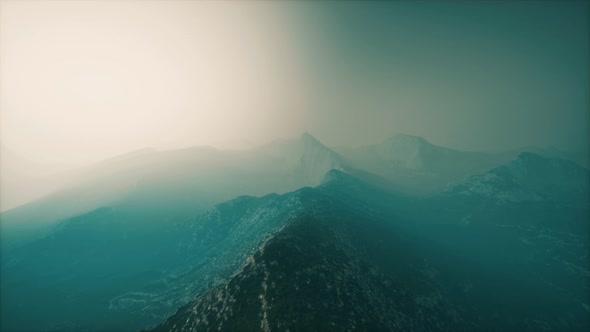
(530, 177)
(407, 151)
(315, 159)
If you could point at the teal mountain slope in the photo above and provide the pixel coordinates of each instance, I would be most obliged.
(353, 261)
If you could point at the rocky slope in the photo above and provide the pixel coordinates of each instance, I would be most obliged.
(361, 255)
(354, 262)
(530, 177)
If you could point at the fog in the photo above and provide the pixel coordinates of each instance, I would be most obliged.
(294, 165)
(81, 81)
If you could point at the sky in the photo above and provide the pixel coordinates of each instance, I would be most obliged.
(81, 81)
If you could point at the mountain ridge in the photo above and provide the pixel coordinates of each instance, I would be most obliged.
(345, 265)
(192, 220)
(529, 177)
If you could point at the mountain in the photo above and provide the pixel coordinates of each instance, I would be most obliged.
(354, 260)
(530, 177)
(580, 157)
(417, 166)
(528, 194)
(177, 184)
(109, 271)
(334, 244)
(306, 158)
(131, 243)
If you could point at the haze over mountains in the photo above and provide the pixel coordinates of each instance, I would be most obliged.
(22, 180)
(155, 172)
(398, 159)
(402, 234)
(183, 182)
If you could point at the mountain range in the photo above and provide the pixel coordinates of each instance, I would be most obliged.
(295, 235)
(355, 262)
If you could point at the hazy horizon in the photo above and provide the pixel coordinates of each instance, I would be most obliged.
(84, 81)
(70, 166)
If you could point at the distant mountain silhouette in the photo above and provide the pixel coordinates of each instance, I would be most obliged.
(417, 166)
(176, 183)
